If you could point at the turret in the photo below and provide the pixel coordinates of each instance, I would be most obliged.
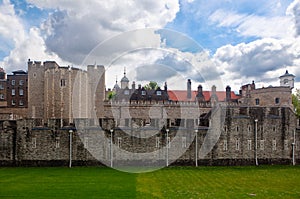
(124, 81)
(287, 80)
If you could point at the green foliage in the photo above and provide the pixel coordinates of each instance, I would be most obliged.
(151, 86)
(111, 95)
(296, 102)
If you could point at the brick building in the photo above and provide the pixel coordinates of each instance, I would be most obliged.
(3, 93)
(17, 89)
(13, 94)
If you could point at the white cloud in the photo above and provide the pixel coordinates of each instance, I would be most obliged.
(33, 46)
(25, 44)
(11, 27)
(261, 60)
(254, 25)
(294, 10)
(77, 27)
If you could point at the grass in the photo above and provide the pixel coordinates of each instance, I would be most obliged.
(172, 182)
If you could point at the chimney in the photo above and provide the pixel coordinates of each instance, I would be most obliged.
(214, 96)
(166, 87)
(189, 89)
(228, 93)
(200, 95)
(133, 85)
(214, 90)
(253, 86)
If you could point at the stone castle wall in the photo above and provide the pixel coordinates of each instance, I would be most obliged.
(26, 142)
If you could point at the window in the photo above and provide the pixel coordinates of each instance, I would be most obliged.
(168, 142)
(143, 92)
(262, 145)
(277, 100)
(237, 128)
(158, 92)
(13, 92)
(86, 142)
(21, 92)
(157, 142)
(285, 81)
(126, 92)
(13, 82)
(21, 103)
(256, 101)
(286, 144)
(237, 144)
(21, 82)
(1, 87)
(183, 142)
(13, 102)
(249, 129)
(225, 145)
(249, 144)
(127, 122)
(119, 142)
(33, 143)
(274, 145)
(62, 82)
(1, 96)
(57, 142)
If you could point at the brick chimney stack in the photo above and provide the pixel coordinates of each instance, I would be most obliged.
(228, 93)
(189, 89)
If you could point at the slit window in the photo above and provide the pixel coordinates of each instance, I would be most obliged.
(183, 142)
(249, 144)
(62, 82)
(157, 142)
(225, 147)
(257, 101)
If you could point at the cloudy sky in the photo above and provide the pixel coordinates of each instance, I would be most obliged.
(220, 42)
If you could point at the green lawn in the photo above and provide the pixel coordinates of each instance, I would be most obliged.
(172, 182)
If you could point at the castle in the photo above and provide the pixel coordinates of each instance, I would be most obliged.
(70, 117)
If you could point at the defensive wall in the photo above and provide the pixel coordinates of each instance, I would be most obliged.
(31, 142)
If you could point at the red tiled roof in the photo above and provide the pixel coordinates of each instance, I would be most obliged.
(181, 95)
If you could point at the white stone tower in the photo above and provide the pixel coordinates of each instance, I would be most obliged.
(287, 80)
(124, 81)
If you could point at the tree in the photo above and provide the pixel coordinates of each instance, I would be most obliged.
(151, 86)
(111, 95)
(296, 102)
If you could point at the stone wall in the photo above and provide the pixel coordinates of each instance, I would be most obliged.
(271, 96)
(26, 142)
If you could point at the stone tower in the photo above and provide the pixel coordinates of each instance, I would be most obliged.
(36, 75)
(287, 80)
(96, 79)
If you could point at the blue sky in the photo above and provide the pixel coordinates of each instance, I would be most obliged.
(245, 40)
